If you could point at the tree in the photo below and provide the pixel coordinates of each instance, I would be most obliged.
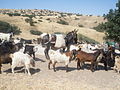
(112, 26)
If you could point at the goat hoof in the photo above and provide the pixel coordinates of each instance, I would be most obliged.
(106, 70)
(92, 70)
(78, 68)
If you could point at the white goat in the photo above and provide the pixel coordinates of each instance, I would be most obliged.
(87, 48)
(57, 57)
(21, 58)
(75, 47)
(6, 36)
(16, 40)
(117, 64)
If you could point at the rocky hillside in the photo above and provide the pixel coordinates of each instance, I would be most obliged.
(48, 21)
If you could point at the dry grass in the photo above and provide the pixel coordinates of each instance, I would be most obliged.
(51, 26)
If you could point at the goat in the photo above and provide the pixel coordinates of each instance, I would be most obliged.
(17, 40)
(6, 48)
(21, 58)
(117, 64)
(6, 36)
(25, 41)
(58, 57)
(30, 50)
(82, 56)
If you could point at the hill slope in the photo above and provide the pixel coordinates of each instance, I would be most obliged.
(49, 24)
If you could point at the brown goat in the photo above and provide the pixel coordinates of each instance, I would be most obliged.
(5, 59)
(6, 48)
(87, 57)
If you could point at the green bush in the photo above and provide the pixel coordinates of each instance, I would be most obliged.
(100, 28)
(79, 15)
(14, 14)
(7, 28)
(80, 25)
(35, 32)
(30, 21)
(58, 33)
(30, 16)
(40, 20)
(63, 22)
(48, 19)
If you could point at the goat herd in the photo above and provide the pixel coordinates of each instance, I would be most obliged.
(57, 48)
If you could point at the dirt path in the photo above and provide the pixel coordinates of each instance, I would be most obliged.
(44, 79)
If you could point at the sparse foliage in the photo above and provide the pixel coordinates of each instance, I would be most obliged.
(62, 22)
(35, 32)
(80, 25)
(58, 33)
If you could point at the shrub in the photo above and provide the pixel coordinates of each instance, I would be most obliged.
(7, 28)
(69, 14)
(90, 15)
(35, 32)
(30, 21)
(14, 14)
(27, 20)
(63, 22)
(79, 15)
(48, 19)
(58, 33)
(77, 18)
(95, 22)
(100, 28)
(30, 16)
(80, 25)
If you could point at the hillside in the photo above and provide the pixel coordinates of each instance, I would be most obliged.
(46, 23)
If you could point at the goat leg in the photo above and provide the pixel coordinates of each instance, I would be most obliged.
(0, 66)
(0, 69)
(66, 68)
(49, 64)
(92, 66)
(33, 55)
(78, 65)
(54, 66)
(28, 69)
(105, 65)
(13, 68)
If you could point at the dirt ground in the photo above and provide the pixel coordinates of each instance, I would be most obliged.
(44, 79)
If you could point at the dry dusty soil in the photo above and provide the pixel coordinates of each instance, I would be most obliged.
(44, 79)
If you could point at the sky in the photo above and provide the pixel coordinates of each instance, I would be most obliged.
(85, 7)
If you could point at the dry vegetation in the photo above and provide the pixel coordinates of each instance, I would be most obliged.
(49, 24)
